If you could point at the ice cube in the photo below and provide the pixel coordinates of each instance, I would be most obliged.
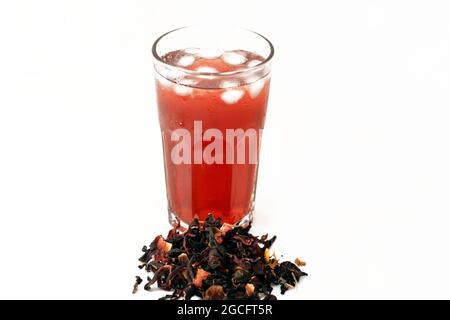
(210, 53)
(228, 84)
(207, 70)
(163, 81)
(253, 63)
(232, 96)
(186, 61)
(191, 50)
(181, 90)
(254, 89)
(234, 58)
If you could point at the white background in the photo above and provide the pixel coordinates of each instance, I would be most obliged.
(355, 171)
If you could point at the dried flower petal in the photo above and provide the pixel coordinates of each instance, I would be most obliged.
(299, 262)
(226, 228)
(249, 289)
(214, 292)
(136, 284)
(162, 245)
(199, 277)
(267, 255)
(183, 259)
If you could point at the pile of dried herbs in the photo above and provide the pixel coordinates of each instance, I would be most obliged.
(216, 261)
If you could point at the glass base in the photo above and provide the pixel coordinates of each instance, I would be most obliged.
(183, 226)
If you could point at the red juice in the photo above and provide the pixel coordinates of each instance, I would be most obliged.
(224, 188)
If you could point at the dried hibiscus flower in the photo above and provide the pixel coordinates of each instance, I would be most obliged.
(214, 261)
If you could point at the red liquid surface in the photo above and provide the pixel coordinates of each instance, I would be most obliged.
(225, 190)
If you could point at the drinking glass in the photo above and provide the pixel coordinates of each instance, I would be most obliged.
(212, 88)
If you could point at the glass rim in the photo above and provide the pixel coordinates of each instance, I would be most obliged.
(216, 74)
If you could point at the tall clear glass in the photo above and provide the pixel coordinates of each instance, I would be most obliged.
(212, 89)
